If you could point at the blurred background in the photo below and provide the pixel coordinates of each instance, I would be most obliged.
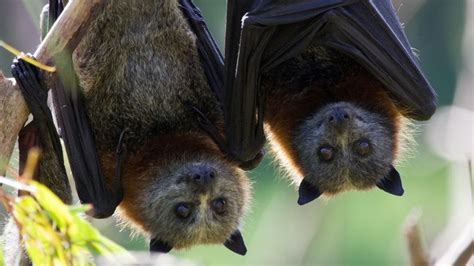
(355, 228)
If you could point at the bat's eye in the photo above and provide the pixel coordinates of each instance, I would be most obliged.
(326, 153)
(183, 210)
(362, 147)
(219, 205)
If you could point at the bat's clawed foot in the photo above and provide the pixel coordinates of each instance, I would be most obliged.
(29, 77)
(106, 207)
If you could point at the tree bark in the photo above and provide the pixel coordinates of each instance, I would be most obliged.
(65, 34)
(14, 113)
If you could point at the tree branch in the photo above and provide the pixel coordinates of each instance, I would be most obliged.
(461, 250)
(65, 34)
(418, 255)
(14, 113)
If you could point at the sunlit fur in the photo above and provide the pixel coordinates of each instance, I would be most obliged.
(301, 92)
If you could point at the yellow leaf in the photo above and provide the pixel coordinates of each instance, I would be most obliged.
(30, 60)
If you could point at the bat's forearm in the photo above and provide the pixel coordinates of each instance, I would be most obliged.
(65, 34)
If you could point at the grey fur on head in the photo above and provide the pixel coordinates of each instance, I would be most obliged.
(191, 200)
(346, 169)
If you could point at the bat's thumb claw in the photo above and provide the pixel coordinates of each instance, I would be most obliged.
(252, 164)
(102, 212)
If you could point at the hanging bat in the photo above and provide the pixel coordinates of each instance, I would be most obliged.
(331, 80)
(132, 101)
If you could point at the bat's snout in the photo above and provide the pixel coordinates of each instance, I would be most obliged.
(339, 116)
(201, 175)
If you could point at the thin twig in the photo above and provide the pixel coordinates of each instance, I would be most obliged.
(469, 167)
(418, 255)
(461, 250)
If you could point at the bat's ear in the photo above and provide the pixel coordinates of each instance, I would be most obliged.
(391, 183)
(307, 193)
(236, 243)
(157, 245)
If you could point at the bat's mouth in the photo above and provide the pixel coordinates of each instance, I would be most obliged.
(358, 183)
(338, 183)
(309, 191)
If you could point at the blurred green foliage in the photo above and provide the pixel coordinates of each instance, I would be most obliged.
(56, 234)
(355, 228)
(1, 257)
(436, 32)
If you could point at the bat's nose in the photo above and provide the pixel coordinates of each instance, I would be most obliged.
(202, 175)
(339, 116)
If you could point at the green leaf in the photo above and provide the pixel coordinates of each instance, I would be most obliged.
(57, 210)
(1, 257)
(56, 234)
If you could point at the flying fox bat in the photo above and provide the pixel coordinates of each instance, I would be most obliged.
(131, 102)
(331, 81)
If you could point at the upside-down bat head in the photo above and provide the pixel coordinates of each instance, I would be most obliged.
(181, 191)
(343, 147)
(332, 125)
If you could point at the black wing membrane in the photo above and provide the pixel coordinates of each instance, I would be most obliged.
(80, 142)
(211, 57)
(41, 132)
(261, 34)
(213, 65)
(77, 133)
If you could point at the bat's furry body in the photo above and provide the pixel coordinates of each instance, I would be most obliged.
(144, 59)
(139, 69)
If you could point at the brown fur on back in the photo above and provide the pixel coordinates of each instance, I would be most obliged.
(137, 65)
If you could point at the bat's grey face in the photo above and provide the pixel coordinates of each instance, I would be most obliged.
(194, 201)
(342, 147)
